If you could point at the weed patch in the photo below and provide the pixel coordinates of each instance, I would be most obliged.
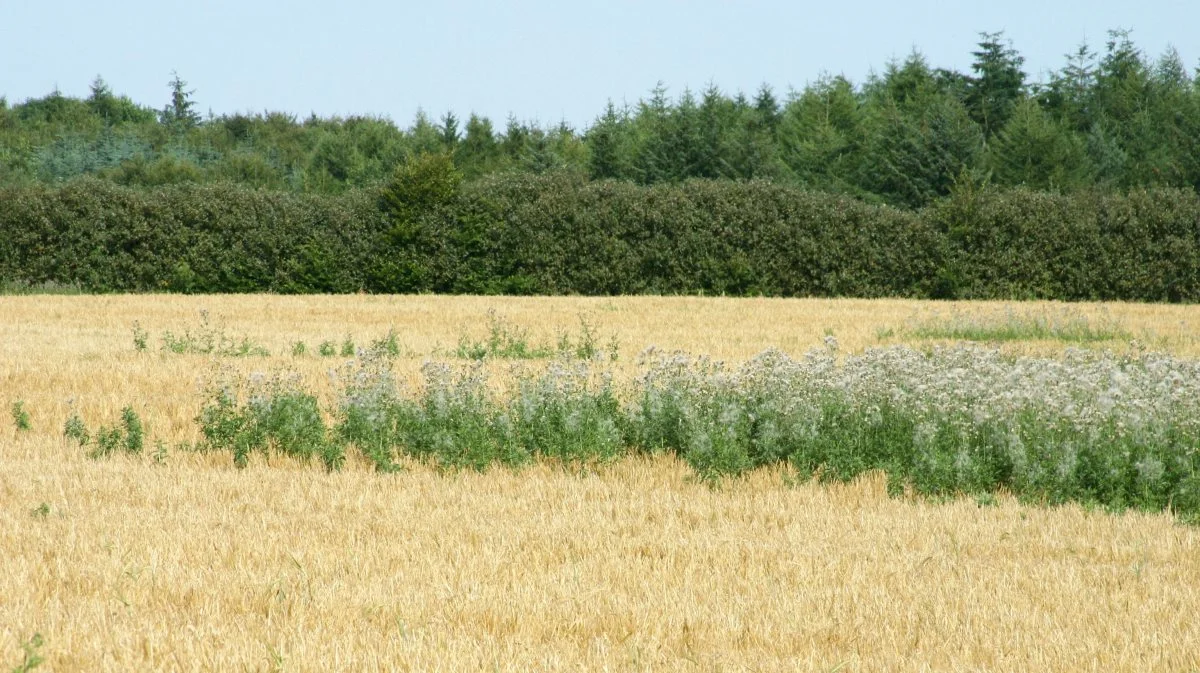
(508, 341)
(203, 339)
(1064, 326)
(20, 416)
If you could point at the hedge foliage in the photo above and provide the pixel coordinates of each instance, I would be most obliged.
(560, 234)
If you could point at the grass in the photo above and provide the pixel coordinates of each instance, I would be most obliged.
(24, 288)
(630, 564)
(1066, 326)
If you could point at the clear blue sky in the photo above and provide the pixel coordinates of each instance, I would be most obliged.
(537, 59)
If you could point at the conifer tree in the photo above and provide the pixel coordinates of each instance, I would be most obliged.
(1039, 152)
(998, 84)
(607, 141)
(180, 114)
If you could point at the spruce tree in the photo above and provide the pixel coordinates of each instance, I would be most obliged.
(607, 142)
(180, 114)
(998, 84)
(1036, 151)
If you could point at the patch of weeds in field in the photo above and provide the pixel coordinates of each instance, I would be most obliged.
(299, 349)
(160, 453)
(348, 349)
(1065, 326)
(208, 339)
(508, 341)
(75, 429)
(41, 511)
(370, 414)
(1117, 431)
(128, 436)
(267, 414)
(20, 416)
(456, 422)
(570, 413)
(1090, 427)
(140, 337)
(327, 349)
(586, 345)
(389, 345)
(504, 340)
(31, 654)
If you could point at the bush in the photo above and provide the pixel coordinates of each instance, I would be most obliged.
(561, 234)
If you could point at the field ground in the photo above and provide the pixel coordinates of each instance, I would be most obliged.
(125, 564)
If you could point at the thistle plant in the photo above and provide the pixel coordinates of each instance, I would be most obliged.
(20, 416)
(1113, 431)
(266, 414)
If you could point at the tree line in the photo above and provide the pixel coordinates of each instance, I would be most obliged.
(1112, 119)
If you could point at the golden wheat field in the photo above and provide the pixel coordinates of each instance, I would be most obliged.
(186, 563)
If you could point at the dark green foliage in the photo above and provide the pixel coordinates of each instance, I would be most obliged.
(186, 238)
(1023, 244)
(563, 234)
(820, 133)
(914, 154)
(998, 85)
(559, 234)
(609, 140)
(418, 186)
(707, 192)
(1035, 151)
(901, 137)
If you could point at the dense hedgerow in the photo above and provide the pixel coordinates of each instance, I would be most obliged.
(1116, 432)
(185, 238)
(561, 234)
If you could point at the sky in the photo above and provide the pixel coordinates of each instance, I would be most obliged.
(538, 60)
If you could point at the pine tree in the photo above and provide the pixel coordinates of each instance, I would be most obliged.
(516, 138)
(1122, 79)
(101, 100)
(424, 137)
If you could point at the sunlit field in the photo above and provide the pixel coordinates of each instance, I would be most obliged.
(173, 558)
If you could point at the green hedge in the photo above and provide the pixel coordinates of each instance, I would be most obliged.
(185, 238)
(563, 235)
(1020, 244)
(559, 234)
